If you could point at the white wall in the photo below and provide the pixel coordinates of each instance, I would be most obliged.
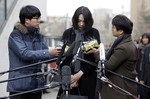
(14, 17)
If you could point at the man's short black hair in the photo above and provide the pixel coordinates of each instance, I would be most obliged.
(28, 12)
(121, 22)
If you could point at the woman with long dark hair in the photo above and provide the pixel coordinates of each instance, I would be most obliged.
(83, 82)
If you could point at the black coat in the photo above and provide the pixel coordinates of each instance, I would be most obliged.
(146, 71)
(87, 82)
(139, 63)
(146, 66)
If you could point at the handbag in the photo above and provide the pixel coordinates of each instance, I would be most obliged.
(73, 97)
(64, 96)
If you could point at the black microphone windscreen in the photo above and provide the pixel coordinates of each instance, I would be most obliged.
(76, 47)
(66, 74)
(66, 70)
(78, 40)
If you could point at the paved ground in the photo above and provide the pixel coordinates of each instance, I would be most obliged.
(51, 95)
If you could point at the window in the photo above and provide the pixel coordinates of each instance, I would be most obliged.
(6, 7)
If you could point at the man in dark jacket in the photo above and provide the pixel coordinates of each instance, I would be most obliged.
(27, 46)
(121, 59)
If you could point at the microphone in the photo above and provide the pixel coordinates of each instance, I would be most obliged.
(102, 52)
(77, 50)
(101, 67)
(66, 79)
(59, 59)
(78, 39)
(69, 51)
(77, 53)
(100, 70)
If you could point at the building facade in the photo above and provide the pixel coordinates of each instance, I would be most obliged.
(140, 15)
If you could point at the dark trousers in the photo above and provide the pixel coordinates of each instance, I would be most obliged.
(140, 92)
(36, 95)
(146, 94)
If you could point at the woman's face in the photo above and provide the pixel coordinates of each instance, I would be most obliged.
(81, 23)
(145, 40)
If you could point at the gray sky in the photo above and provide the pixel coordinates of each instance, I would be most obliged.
(63, 7)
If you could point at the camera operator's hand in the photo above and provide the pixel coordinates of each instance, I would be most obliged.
(54, 51)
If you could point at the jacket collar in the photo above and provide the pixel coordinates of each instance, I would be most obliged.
(24, 29)
(126, 40)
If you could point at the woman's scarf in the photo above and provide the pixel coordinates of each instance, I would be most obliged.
(116, 42)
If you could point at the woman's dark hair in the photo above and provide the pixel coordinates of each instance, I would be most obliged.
(28, 12)
(147, 35)
(88, 20)
(121, 22)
